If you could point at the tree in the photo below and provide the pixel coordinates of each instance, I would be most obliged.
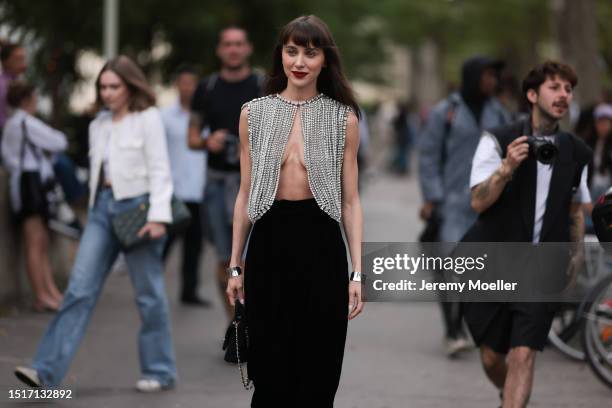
(576, 28)
(63, 28)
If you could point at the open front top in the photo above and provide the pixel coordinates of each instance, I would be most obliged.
(323, 123)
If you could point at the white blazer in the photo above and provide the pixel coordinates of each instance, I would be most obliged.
(137, 159)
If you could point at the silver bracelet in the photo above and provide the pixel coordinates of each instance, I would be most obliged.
(234, 271)
(355, 276)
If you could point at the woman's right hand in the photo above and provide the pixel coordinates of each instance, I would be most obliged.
(235, 290)
(355, 299)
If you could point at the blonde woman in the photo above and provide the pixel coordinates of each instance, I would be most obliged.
(129, 167)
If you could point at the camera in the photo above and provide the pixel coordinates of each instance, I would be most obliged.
(543, 150)
(232, 146)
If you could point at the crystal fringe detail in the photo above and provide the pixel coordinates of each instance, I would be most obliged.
(270, 119)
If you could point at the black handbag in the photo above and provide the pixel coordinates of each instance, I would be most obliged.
(127, 224)
(236, 342)
(431, 232)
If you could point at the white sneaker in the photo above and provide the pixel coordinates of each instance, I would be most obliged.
(455, 346)
(148, 385)
(28, 376)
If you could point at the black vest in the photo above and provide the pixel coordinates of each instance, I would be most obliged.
(510, 218)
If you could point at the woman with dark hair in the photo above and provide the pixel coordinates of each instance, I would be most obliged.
(298, 182)
(129, 168)
(28, 148)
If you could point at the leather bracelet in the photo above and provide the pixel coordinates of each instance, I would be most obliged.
(234, 271)
(356, 276)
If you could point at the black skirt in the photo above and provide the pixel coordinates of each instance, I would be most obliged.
(296, 293)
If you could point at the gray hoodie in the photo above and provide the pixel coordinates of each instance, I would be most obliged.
(444, 177)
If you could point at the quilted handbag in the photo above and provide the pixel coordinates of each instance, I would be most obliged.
(236, 343)
(127, 224)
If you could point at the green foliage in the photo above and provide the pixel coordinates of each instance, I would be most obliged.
(604, 29)
(513, 29)
(510, 29)
(62, 28)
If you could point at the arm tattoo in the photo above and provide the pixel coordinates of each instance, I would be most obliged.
(577, 227)
(577, 231)
(483, 189)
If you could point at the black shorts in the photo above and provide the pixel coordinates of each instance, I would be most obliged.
(34, 196)
(40, 209)
(510, 325)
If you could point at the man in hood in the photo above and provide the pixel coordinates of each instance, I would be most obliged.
(447, 146)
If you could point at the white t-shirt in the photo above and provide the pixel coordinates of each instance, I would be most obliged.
(488, 158)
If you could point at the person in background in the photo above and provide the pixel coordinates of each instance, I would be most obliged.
(404, 139)
(600, 169)
(507, 183)
(363, 154)
(599, 138)
(585, 124)
(216, 106)
(14, 64)
(188, 175)
(28, 147)
(447, 147)
(509, 95)
(129, 168)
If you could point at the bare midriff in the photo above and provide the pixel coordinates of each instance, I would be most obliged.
(293, 178)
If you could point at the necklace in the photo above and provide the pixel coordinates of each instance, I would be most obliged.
(299, 103)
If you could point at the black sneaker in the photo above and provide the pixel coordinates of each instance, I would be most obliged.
(195, 300)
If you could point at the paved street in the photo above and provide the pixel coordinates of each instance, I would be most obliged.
(393, 354)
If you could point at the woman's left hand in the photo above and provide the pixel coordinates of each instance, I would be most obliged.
(153, 229)
(355, 301)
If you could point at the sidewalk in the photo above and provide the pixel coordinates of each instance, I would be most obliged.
(394, 355)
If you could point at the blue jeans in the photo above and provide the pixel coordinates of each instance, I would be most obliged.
(97, 252)
(219, 200)
(65, 174)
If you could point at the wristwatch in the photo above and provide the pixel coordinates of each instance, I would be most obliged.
(356, 276)
(234, 271)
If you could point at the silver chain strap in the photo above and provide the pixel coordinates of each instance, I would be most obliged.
(246, 382)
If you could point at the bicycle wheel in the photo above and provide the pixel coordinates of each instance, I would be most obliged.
(566, 332)
(597, 333)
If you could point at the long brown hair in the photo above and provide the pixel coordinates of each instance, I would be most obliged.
(141, 94)
(311, 31)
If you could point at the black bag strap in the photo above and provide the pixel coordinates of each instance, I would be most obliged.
(239, 320)
(24, 141)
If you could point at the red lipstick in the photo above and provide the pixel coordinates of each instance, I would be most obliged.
(299, 74)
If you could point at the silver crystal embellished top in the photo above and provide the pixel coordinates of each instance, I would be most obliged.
(270, 120)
